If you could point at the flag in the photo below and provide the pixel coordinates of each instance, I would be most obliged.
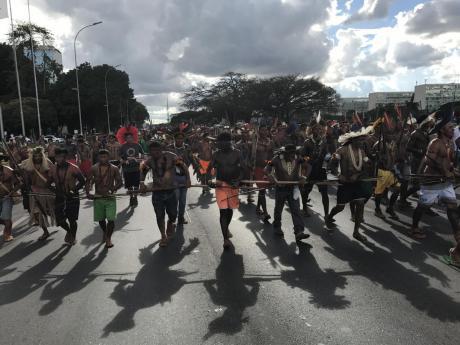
(318, 118)
(399, 113)
(3, 9)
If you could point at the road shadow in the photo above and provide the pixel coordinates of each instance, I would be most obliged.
(31, 279)
(305, 272)
(379, 266)
(75, 280)
(411, 252)
(154, 284)
(234, 292)
(17, 253)
(204, 201)
(95, 237)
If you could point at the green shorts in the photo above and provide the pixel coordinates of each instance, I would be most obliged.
(105, 209)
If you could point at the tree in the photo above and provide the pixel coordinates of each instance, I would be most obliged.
(92, 97)
(236, 97)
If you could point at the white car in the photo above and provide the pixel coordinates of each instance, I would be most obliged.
(54, 139)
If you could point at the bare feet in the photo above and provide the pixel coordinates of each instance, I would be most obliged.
(227, 244)
(163, 241)
(357, 236)
(7, 238)
(44, 236)
(417, 233)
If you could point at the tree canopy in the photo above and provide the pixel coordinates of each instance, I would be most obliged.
(237, 97)
(58, 99)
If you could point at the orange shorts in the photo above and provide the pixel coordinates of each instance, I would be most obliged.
(204, 166)
(227, 197)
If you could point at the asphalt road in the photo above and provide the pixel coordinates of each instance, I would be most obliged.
(333, 290)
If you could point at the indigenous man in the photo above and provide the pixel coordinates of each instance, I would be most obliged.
(71, 149)
(37, 171)
(163, 166)
(131, 153)
(228, 166)
(287, 166)
(439, 160)
(68, 180)
(204, 155)
(183, 153)
(261, 154)
(416, 148)
(107, 180)
(387, 152)
(84, 156)
(113, 146)
(9, 185)
(354, 167)
(50, 148)
(244, 145)
(314, 151)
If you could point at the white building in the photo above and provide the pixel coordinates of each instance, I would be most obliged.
(358, 104)
(377, 99)
(431, 96)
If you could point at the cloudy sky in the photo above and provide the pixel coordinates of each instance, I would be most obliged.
(356, 46)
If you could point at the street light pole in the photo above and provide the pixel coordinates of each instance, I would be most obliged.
(107, 97)
(76, 71)
(35, 72)
(21, 111)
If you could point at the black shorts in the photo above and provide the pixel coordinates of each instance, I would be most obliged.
(66, 208)
(348, 192)
(132, 179)
(318, 175)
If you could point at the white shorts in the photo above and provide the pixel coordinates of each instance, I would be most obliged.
(438, 193)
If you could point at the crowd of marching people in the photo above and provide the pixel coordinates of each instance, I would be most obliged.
(386, 160)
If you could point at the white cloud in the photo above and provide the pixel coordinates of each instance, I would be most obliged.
(371, 9)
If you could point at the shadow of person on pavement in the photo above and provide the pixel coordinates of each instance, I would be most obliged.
(234, 292)
(17, 253)
(75, 280)
(380, 267)
(94, 237)
(154, 284)
(415, 254)
(32, 279)
(204, 201)
(433, 243)
(306, 273)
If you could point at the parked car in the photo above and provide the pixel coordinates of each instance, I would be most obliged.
(54, 139)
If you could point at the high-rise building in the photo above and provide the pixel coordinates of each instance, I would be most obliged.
(377, 99)
(41, 52)
(431, 96)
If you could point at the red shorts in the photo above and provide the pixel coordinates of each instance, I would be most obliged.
(259, 174)
(85, 167)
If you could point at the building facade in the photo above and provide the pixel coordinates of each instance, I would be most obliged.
(358, 104)
(432, 96)
(377, 99)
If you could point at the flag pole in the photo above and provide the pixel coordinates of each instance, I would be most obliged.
(21, 111)
(35, 73)
(1, 124)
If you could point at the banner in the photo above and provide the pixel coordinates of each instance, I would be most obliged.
(3, 9)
